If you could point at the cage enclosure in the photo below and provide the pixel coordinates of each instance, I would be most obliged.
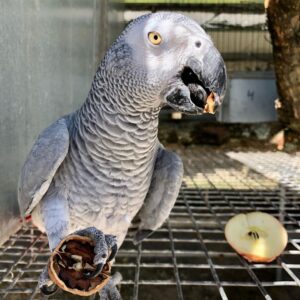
(50, 51)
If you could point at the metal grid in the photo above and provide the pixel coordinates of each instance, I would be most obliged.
(188, 258)
(279, 166)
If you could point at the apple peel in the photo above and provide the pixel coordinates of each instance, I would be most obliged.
(257, 236)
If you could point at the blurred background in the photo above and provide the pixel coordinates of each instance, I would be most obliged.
(49, 52)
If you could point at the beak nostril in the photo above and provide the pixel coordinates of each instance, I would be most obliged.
(198, 44)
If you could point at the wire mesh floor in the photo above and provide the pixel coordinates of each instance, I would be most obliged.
(188, 258)
(280, 166)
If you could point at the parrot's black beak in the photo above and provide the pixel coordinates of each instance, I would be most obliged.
(200, 86)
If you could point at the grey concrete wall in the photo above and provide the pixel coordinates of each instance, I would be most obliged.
(49, 50)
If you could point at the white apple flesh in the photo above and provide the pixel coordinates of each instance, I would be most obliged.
(257, 236)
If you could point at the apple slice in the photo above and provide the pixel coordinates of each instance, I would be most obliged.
(257, 236)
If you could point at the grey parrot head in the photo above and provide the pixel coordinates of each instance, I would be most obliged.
(166, 59)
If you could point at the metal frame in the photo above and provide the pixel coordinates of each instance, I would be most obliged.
(200, 6)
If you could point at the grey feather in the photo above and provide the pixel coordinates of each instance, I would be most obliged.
(102, 163)
(41, 164)
(162, 194)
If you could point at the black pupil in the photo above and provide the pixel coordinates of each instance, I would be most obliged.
(198, 44)
(155, 37)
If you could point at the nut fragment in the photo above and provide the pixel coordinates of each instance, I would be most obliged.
(89, 267)
(210, 104)
(77, 266)
(78, 258)
(69, 263)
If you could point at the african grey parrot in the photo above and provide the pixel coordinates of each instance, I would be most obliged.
(94, 170)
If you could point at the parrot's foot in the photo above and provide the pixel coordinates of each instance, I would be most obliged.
(105, 248)
(110, 291)
(46, 285)
(141, 235)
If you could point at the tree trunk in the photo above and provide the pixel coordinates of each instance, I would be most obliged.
(284, 26)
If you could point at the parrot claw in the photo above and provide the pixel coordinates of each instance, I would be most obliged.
(46, 285)
(105, 248)
(95, 273)
(110, 291)
(99, 267)
(48, 290)
(114, 250)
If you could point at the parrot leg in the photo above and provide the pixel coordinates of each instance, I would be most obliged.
(110, 291)
(105, 248)
(45, 284)
(55, 215)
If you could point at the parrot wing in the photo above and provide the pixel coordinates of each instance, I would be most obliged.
(46, 155)
(164, 189)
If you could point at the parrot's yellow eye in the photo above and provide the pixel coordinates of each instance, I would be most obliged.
(154, 37)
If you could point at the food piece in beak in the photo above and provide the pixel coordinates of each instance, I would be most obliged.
(210, 104)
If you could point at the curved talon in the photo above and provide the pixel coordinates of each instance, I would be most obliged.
(48, 290)
(93, 274)
(114, 250)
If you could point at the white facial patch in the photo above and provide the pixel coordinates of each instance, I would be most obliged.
(179, 36)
